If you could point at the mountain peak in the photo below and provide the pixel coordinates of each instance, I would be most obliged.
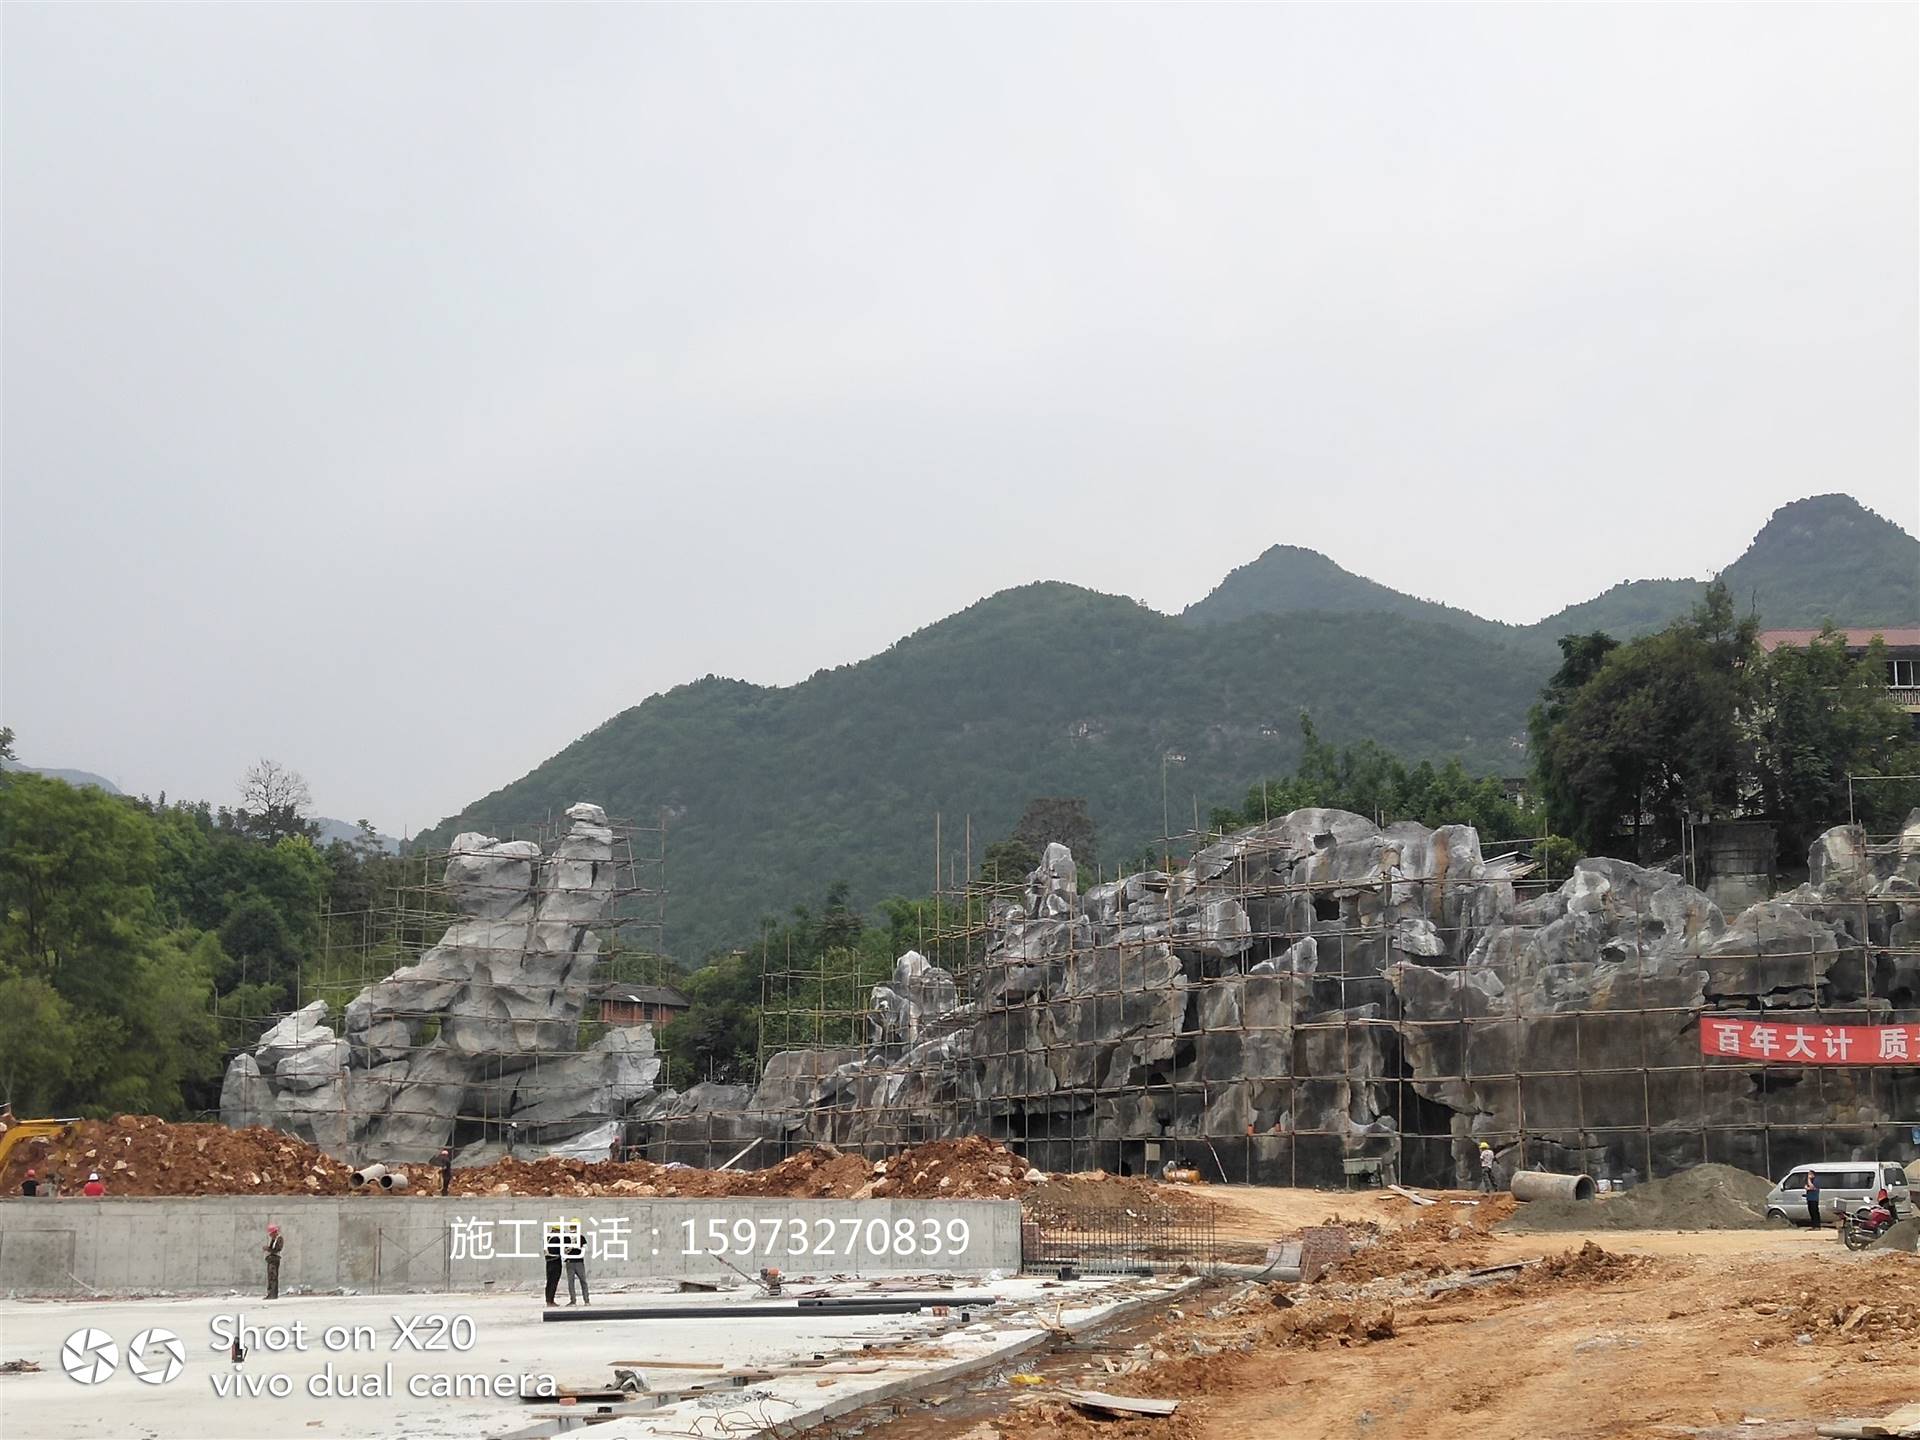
(1828, 557)
(1288, 578)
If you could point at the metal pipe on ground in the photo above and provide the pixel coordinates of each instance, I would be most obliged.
(1544, 1185)
(835, 1305)
(366, 1175)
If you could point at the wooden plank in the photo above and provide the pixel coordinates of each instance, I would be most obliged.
(1120, 1404)
(1406, 1194)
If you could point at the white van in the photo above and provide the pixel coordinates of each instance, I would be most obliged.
(1844, 1185)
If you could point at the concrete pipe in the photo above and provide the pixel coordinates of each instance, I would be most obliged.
(1543, 1185)
(366, 1175)
(394, 1180)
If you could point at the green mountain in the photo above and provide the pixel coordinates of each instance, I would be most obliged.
(1286, 579)
(1824, 557)
(1633, 607)
(773, 793)
(1829, 558)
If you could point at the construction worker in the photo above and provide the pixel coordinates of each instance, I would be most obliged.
(446, 1168)
(574, 1249)
(30, 1185)
(1813, 1197)
(554, 1260)
(272, 1249)
(95, 1186)
(1486, 1167)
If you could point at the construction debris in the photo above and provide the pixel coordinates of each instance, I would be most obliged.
(1904, 1424)
(1102, 1403)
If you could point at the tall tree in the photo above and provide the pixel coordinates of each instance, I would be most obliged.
(274, 801)
(1819, 715)
(1653, 732)
(103, 1007)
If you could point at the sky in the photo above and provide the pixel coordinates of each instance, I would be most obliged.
(402, 391)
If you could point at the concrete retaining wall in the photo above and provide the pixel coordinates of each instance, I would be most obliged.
(383, 1244)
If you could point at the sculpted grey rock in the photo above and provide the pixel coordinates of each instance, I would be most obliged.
(1317, 1000)
(481, 1031)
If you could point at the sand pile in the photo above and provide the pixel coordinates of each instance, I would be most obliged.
(1707, 1197)
(1901, 1235)
(141, 1155)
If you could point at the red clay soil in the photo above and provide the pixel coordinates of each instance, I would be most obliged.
(140, 1155)
(967, 1169)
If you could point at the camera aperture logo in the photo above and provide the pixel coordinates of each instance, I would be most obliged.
(154, 1356)
(89, 1356)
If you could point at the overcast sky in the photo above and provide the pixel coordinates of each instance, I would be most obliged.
(400, 392)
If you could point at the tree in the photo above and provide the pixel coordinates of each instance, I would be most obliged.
(103, 1006)
(1649, 731)
(77, 868)
(38, 1043)
(258, 949)
(1008, 862)
(274, 801)
(1371, 780)
(1819, 715)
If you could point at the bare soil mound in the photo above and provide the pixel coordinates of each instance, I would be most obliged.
(971, 1168)
(141, 1155)
(1706, 1197)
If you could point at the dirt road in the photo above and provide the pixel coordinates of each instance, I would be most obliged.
(1761, 1334)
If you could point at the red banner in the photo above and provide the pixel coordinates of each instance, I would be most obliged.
(1791, 1042)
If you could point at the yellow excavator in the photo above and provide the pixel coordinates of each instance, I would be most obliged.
(18, 1130)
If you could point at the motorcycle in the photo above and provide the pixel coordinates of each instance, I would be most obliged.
(1862, 1227)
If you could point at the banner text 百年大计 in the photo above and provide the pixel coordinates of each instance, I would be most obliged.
(1792, 1042)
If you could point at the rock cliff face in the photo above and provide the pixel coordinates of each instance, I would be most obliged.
(481, 1030)
(1317, 999)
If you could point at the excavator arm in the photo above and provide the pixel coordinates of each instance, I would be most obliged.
(28, 1130)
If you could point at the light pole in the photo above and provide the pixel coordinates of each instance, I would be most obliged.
(1167, 757)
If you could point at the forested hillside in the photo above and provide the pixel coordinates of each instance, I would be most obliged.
(1047, 689)
(771, 793)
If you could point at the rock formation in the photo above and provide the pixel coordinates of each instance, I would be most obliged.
(478, 1036)
(1318, 999)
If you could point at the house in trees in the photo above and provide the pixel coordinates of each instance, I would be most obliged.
(1902, 645)
(623, 1004)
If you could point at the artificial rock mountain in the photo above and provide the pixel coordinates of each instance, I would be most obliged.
(1307, 1001)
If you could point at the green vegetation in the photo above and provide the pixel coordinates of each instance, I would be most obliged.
(1631, 740)
(1820, 559)
(802, 984)
(1370, 780)
(1053, 690)
(1045, 690)
(141, 942)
